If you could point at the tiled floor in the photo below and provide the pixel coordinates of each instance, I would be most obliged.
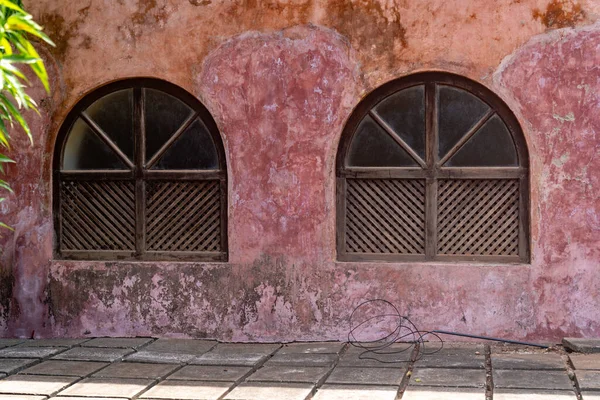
(174, 369)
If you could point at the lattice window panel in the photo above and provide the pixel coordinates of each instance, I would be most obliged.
(183, 216)
(385, 216)
(478, 217)
(97, 215)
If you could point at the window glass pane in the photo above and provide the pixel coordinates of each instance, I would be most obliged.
(193, 150)
(164, 115)
(373, 147)
(114, 114)
(405, 113)
(458, 112)
(85, 150)
(491, 146)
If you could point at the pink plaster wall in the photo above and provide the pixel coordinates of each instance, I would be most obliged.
(281, 78)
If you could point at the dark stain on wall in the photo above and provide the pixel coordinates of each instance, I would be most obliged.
(269, 271)
(149, 12)
(254, 14)
(7, 283)
(365, 24)
(61, 31)
(560, 14)
(147, 293)
(200, 2)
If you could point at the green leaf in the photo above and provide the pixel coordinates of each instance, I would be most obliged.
(3, 225)
(4, 135)
(15, 88)
(16, 27)
(5, 185)
(25, 23)
(16, 114)
(20, 59)
(12, 6)
(11, 69)
(6, 46)
(38, 68)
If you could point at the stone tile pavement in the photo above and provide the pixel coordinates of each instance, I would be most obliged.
(178, 369)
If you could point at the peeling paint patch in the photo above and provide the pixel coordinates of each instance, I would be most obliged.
(570, 117)
(560, 161)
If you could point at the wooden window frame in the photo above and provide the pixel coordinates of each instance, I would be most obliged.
(140, 172)
(433, 170)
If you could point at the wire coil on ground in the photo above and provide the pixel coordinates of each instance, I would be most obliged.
(389, 334)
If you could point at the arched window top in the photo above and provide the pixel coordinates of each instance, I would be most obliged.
(140, 173)
(465, 124)
(173, 130)
(432, 166)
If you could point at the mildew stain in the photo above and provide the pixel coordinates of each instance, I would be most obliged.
(62, 31)
(368, 26)
(149, 12)
(560, 14)
(254, 14)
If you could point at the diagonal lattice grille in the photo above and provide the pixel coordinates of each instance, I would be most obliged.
(478, 217)
(97, 215)
(183, 216)
(385, 216)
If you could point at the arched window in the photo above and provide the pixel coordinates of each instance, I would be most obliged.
(432, 167)
(139, 173)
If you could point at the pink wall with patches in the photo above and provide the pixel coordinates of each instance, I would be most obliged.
(257, 66)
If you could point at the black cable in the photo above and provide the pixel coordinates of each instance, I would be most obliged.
(404, 332)
(492, 339)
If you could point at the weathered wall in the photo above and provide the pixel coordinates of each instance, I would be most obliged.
(281, 78)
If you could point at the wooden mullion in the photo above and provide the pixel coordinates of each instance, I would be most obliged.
(140, 185)
(207, 256)
(478, 258)
(431, 143)
(430, 217)
(100, 255)
(384, 173)
(193, 175)
(104, 137)
(95, 175)
(467, 136)
(186, 124)
(58, 211)
(125, 256)
(224, 212)
(378, 257)
(524, 219)
(481, 173)
(387, 128)
(341, 215)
